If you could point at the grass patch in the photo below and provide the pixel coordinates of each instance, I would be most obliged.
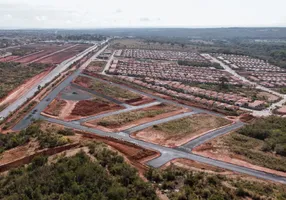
(124, 118)
(111, 90)
(254, 151)
(13, 75)
(47, 139)
(189, 125)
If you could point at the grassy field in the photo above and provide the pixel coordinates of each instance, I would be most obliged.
(124, 118)
(107, 89)
(178, 184)
(13, 75)
(190, 125)
(252, 150)
(262, 143)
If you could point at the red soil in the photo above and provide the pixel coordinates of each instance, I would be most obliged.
(33, 57)
(55, 107)
(62, 56)
(22, 89)
(8, 59)
(139, 101)
(206, 150)
(136, 154)
(88, 107)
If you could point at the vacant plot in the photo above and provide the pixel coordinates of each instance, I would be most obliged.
(93, 107)
(261, 143)
(96, 66)
(55, 107)
(178, 132)
(130, 119)
(62, 56)
(107, 89)
(12, 75)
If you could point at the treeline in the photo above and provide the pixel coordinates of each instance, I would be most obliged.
(181, 184)
(47, 139)
(272, 130)
(78, 177)
(199, 64)
(87, 37)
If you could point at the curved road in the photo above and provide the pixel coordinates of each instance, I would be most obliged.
(167, 154)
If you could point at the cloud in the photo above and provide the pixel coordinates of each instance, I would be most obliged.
(145, 19)
(117, 11)
(8, 16)
(41, 18)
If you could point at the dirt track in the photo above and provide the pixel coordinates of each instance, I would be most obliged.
(22, 89)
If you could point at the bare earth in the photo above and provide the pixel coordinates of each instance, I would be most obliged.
(22, 89)
(201, 124)
(210, 151)
(94, 124)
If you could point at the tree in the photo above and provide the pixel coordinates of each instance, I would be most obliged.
(223, 80)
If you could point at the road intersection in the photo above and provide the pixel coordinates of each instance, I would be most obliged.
(166, 154)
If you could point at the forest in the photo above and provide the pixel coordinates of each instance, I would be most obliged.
(101, 175)
(272, 130)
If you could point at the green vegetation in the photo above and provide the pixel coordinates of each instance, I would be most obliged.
(190, 125)
(199, 64)
(16, 117)
(47, 139)
(113, 91)
(13, 75)
(180, 184)
(77, 177)
(124, 118)
(271, 130)
(253, 151)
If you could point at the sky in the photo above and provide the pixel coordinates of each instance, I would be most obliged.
(141, 13)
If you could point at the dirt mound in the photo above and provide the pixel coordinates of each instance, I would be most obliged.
(246, 118)
(89, 107)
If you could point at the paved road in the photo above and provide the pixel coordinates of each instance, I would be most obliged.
(55, 72)
(265, 112)
(160, 121)
(195, 109)
(209, 136)
(118, 112)
(169, 154)
(101, 95)
(35, 114)
(108, 64)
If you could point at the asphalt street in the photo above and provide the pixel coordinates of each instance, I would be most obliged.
(160, 121)
(167, 154)
(101, 95)
(118, 112)
(55, 72)
(36, 112)
(210, 135)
